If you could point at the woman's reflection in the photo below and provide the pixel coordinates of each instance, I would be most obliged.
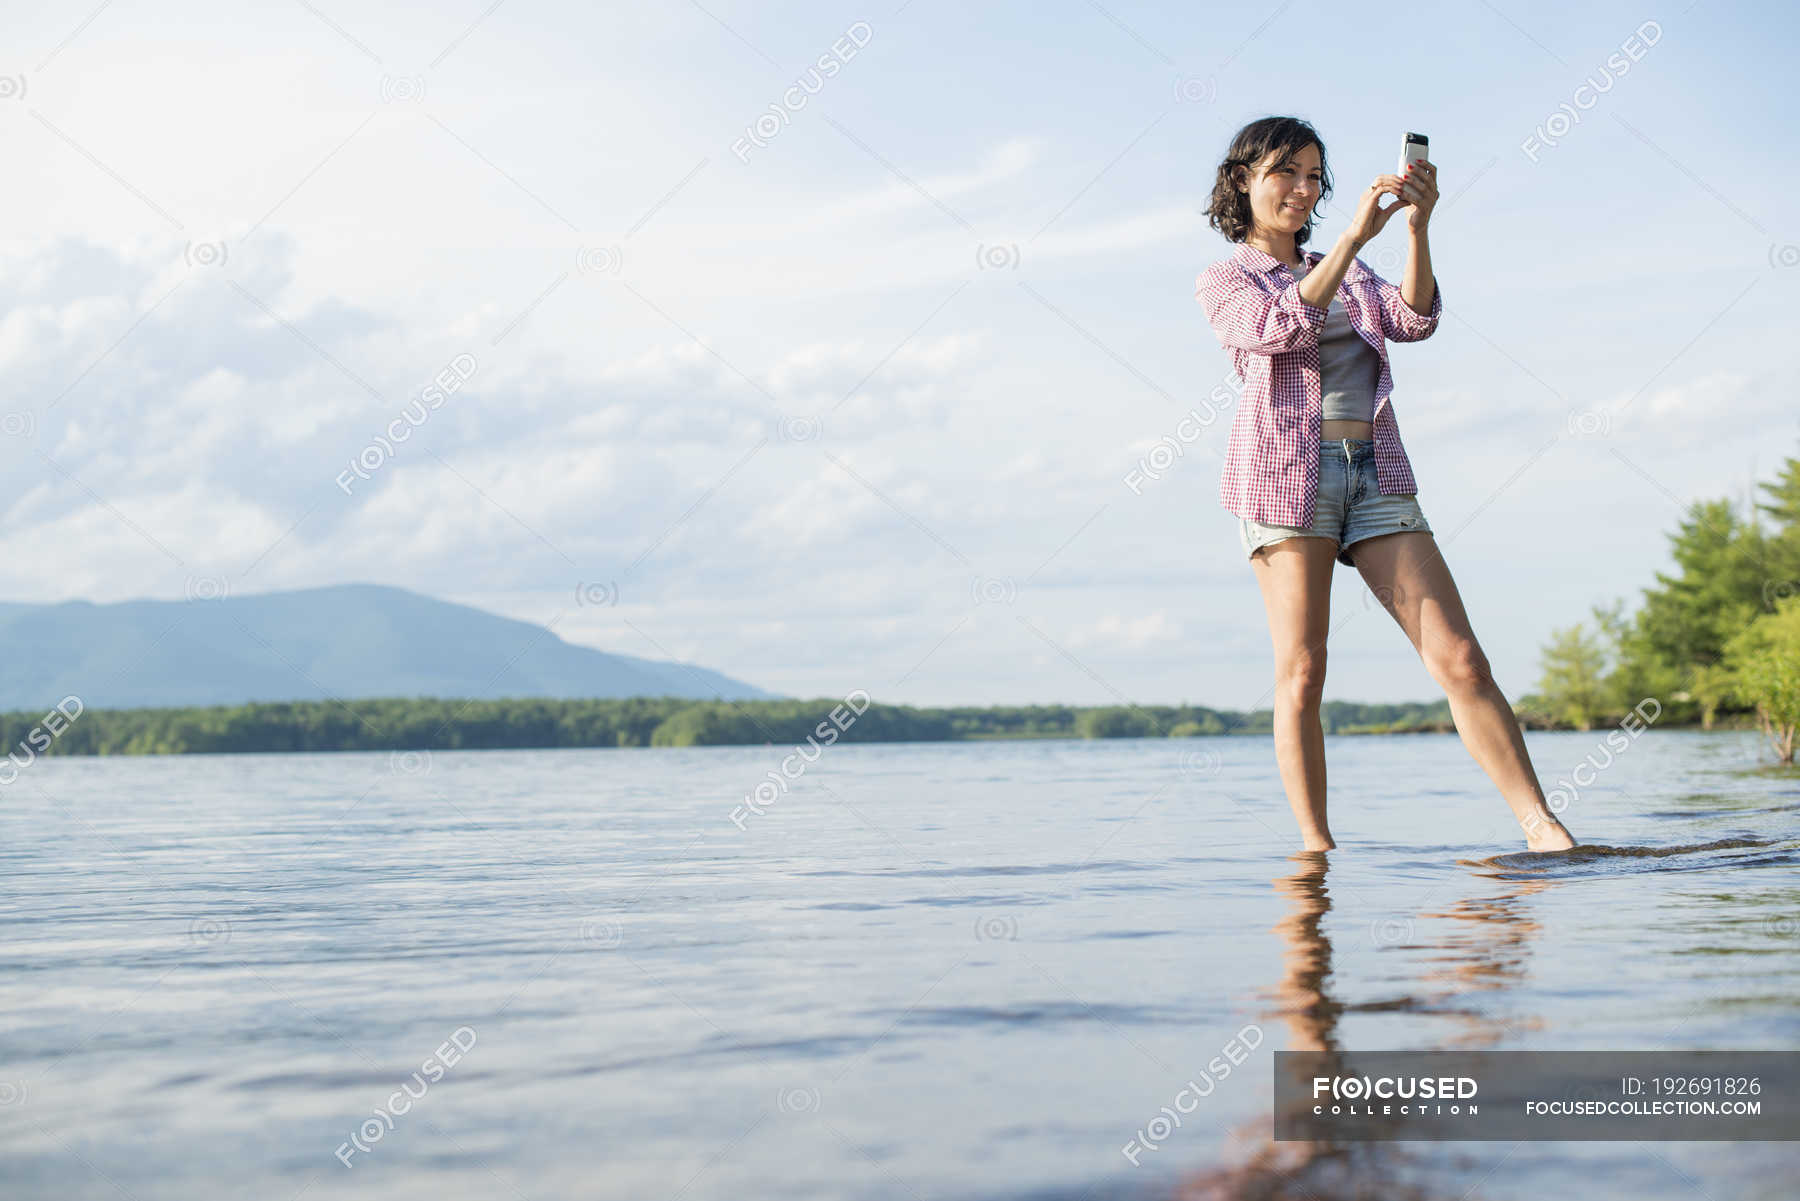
(1479, 945)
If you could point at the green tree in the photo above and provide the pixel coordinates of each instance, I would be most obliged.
(1633, 669)
(1720, 587)
(1573, 681)
(1784, 497)
(1710, 686)
(708, 724)
(1764, 660)
(1115, 721)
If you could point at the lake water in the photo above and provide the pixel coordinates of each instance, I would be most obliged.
(972, 970)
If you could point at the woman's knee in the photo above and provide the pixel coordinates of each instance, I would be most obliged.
(1300, 676)
(1459, 664)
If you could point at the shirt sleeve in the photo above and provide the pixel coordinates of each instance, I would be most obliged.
(1248, 318)
(1398, 321)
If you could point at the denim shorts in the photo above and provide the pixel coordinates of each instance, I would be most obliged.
(1350, 504)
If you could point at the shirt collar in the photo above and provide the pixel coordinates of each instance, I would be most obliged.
(1257, 260)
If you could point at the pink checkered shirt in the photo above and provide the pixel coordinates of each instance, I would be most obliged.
(1271, 472)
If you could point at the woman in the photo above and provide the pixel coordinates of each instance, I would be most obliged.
(1315, 469)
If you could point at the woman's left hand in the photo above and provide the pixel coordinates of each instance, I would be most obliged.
(1421, 189)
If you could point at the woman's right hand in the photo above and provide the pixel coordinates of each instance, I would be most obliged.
(1370, 216)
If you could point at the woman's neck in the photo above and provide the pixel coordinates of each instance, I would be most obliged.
(1280, 247)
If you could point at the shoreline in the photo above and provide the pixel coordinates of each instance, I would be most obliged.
(411, 725)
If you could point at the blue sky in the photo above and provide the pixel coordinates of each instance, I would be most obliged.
(854, 405)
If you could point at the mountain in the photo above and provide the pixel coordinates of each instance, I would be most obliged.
(345, 641)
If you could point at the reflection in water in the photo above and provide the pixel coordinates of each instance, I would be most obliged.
(1485, 952)
(1485, 948)
(1310, 1011)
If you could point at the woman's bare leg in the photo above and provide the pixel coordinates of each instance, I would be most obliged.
(1295, 576)
(1408, 575)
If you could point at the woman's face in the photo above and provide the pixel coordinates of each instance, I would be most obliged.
(1283, 192)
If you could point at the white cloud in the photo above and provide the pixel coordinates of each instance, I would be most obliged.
(1714, 396)
(1114, 631)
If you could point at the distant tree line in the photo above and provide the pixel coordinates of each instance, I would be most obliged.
(424, 723)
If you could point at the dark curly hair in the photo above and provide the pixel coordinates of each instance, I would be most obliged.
(1229, 210)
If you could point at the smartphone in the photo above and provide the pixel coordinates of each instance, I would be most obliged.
(1412, 150)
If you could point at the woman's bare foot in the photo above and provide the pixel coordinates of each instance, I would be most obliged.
(1544, 832)
(1317, 842)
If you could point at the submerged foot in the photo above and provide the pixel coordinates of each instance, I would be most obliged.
(1543, 832)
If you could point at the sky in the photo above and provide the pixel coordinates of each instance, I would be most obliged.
(852, 392)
